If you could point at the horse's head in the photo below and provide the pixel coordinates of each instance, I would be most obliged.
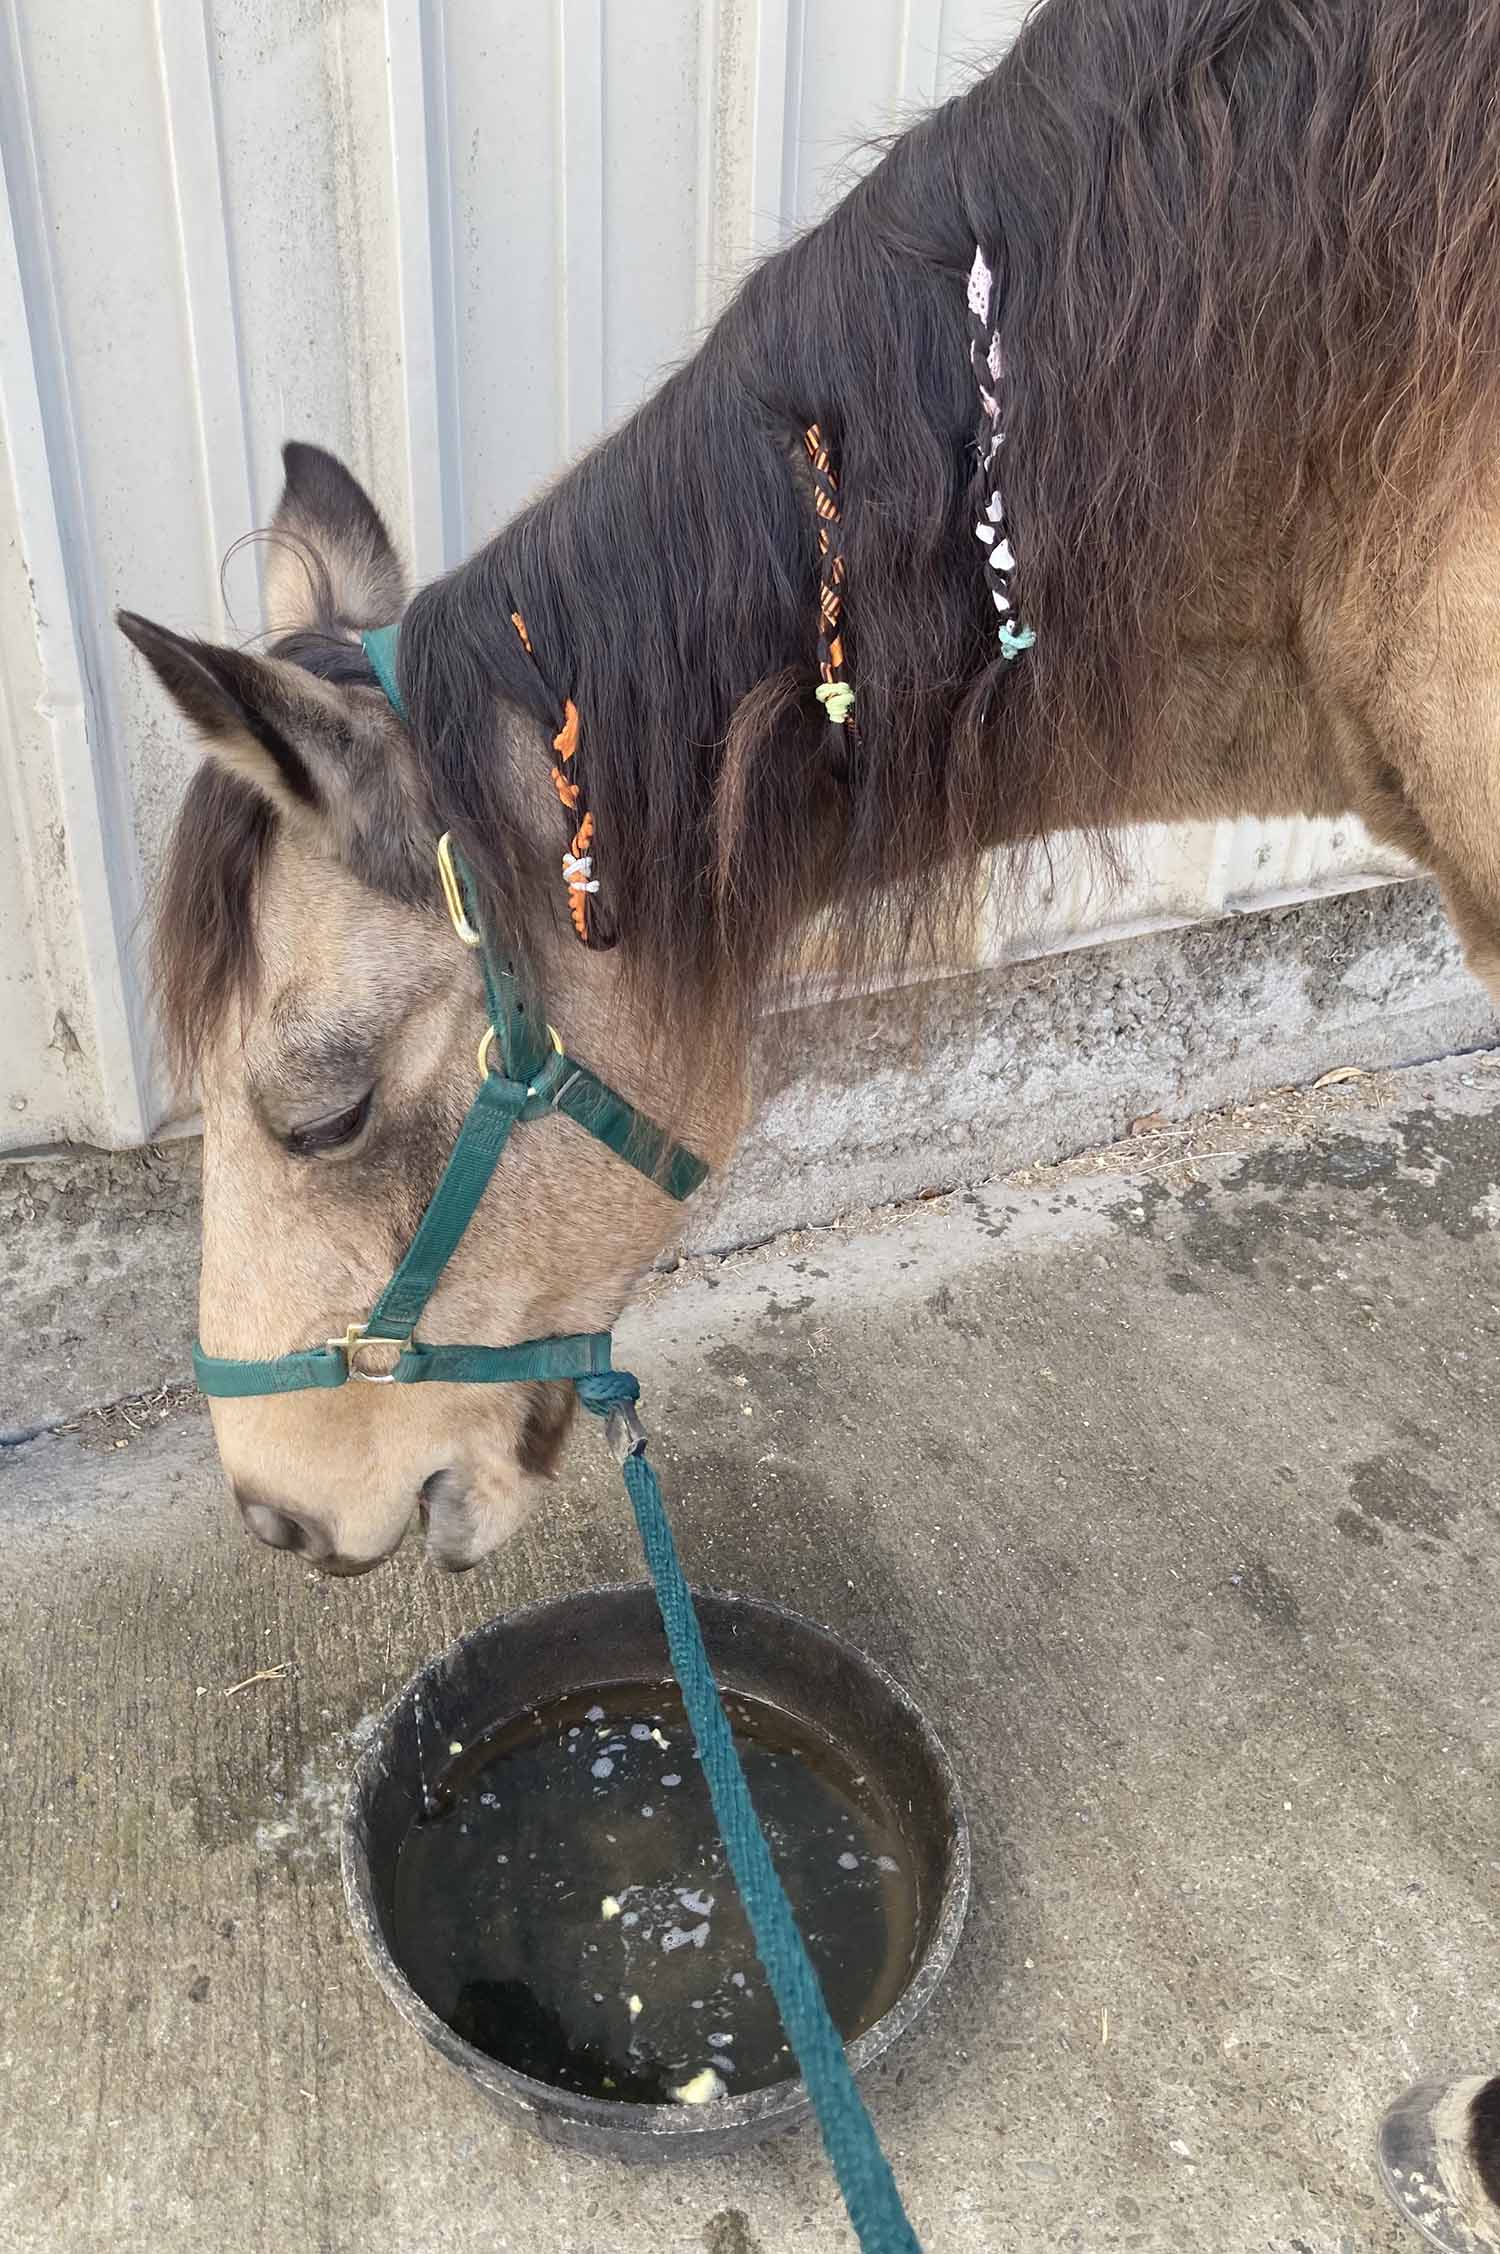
(310, 972)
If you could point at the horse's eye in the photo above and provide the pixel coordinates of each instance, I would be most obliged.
(332, 1133)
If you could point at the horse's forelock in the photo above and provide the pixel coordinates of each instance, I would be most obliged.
(204, 955)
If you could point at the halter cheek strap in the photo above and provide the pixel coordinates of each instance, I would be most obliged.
(525, 1073)
(485, 1132)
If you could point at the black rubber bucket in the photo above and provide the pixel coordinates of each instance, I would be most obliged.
(613, 1636)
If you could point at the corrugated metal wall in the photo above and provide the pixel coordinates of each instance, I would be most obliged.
(452, 239)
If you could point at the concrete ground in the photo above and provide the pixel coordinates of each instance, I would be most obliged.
(1167, 1480)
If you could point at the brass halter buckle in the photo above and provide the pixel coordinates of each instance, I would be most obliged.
(453, 893)
(350, 1345)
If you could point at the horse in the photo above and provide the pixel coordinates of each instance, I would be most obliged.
(1119, 449)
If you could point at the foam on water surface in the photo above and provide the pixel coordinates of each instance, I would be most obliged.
(566, 1907)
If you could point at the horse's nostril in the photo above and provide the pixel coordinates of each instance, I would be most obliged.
(443, 1503)
(270, 1524)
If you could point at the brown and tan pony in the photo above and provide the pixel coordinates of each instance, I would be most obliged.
(1246, 352)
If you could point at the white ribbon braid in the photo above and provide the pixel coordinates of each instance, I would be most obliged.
(990, 531)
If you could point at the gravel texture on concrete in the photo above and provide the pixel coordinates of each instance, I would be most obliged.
(1167, 1481)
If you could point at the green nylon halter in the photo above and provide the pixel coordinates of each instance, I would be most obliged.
(539, 1077)
(535, 1076)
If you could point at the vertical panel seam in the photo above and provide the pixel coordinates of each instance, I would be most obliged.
(209, 287)
(580, 191)
(102, 849)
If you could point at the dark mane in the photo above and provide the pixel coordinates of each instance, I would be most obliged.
(1246, 252)
(1247, 257)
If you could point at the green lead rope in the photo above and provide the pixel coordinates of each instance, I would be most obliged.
(864, 2174)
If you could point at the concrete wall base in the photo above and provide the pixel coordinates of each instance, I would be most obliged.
(865, 1101)
(878, 1098)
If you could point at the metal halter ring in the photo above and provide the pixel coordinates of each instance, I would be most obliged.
(487, 1042)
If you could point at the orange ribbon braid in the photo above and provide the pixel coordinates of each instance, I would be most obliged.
(565, 744)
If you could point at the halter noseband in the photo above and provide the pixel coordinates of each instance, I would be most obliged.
(525, 1073)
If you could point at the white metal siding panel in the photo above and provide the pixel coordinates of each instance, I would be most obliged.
(653, 178)
(506, 223)
(308, 242)
(46, 1004)
(454, 239)
(67, 957)
(118, 399)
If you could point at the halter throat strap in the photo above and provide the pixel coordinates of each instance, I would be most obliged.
(379, 644)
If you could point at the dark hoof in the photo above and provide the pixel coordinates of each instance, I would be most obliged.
(1435, 2167)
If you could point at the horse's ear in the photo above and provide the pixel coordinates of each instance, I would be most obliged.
(261, 718)
(330, 758)
(330, 562)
